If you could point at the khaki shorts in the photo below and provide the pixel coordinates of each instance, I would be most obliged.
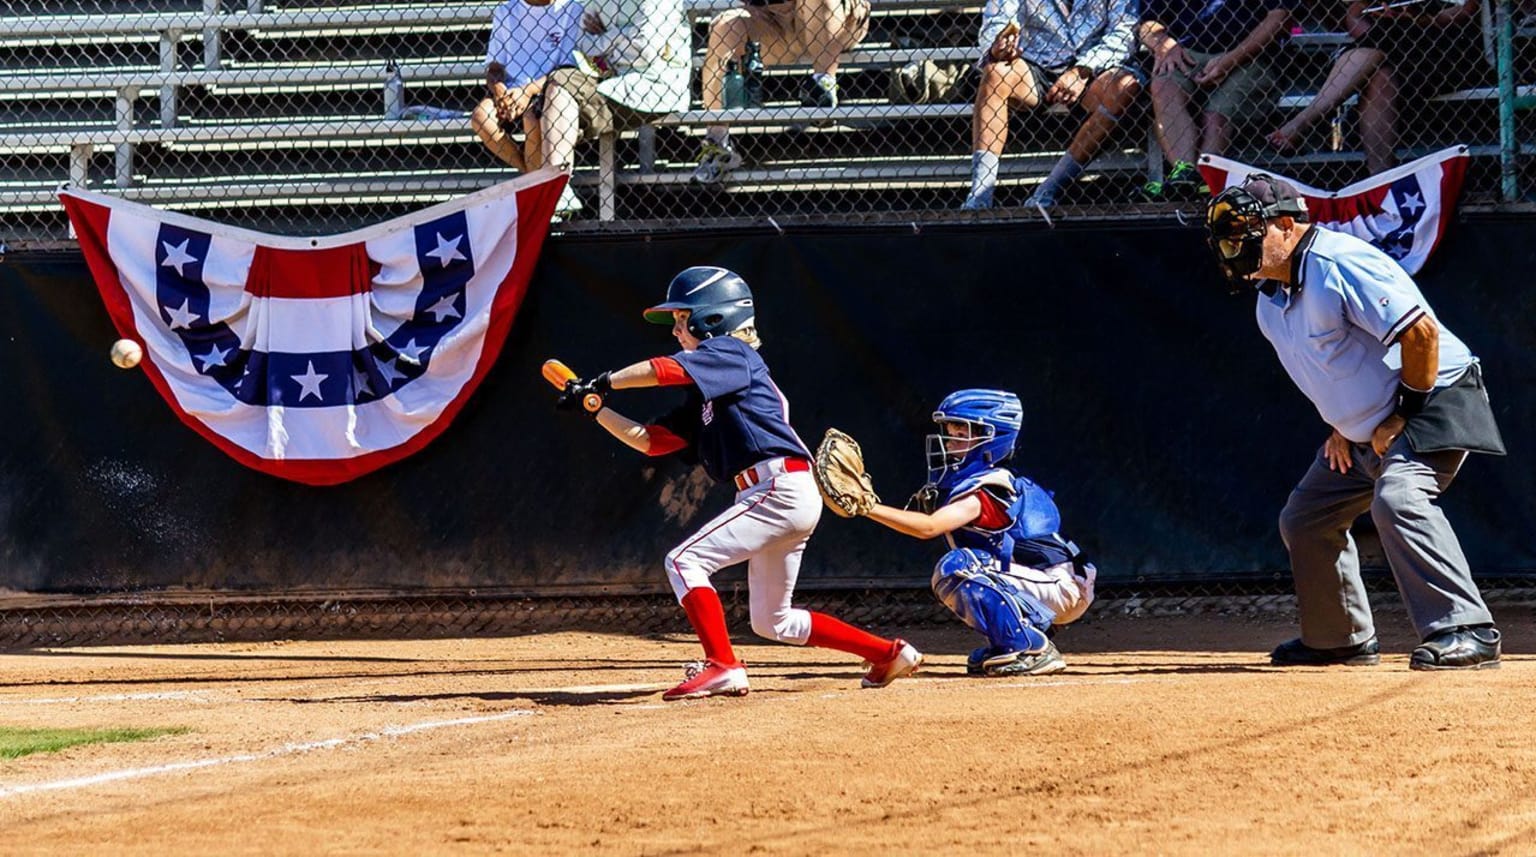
(786, 38)
(599, 116)
(1245, 94)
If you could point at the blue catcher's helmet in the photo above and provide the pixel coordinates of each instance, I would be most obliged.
(718, 300)
(991, 419)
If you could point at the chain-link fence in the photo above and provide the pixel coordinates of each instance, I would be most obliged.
(324, 115)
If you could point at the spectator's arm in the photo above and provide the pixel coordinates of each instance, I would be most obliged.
(994, 18)
(1456, 14)
(1119, 34)
(1356, 22)
(1262, 36)
(1155, 37)
(496, 79)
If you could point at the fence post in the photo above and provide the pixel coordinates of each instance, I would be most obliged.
(1509, 146)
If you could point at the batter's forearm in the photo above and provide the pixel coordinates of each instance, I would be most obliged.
(641, 374)
(628, 432)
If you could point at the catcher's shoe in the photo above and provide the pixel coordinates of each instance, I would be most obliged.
(1044, 662)
(707, 678)
(716, 160)
(900, 665)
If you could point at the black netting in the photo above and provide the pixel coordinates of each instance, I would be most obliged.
(46, 621)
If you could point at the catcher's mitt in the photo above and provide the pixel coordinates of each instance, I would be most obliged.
(839, 471)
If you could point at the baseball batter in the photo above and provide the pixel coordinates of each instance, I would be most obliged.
(734, 422)
(1009, 573)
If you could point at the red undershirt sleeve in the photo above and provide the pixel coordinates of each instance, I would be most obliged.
(669, 373)
(663, 441)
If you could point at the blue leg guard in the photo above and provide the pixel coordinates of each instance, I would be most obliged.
(1011, 619)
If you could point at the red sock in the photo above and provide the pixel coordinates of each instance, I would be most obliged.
(707, 616)
(830, 633)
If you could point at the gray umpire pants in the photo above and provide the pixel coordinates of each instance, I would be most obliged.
(1400, 491)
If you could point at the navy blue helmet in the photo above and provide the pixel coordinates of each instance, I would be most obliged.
(718, 300)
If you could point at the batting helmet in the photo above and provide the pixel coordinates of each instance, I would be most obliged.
(718, 301)
(993, 418)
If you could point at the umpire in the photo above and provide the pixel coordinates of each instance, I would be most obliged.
(1406, 402)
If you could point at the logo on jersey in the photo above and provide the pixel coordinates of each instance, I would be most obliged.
(554, 38)
(707, 415)
(1384, 301)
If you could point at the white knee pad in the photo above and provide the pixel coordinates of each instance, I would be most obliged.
(791, 626)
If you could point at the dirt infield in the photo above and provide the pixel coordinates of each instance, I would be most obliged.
(1166, 735)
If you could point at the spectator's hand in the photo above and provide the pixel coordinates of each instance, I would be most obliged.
(1068, 88)
(1172, 59)
(1216, 70)
(1382, 437)
(592, 22)
(513, 104)
(1336, 450)
(1005, 48)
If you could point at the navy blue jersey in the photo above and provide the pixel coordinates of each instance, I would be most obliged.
(1019, 521)
(734, 416)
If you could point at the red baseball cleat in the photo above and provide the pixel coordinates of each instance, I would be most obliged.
(707, 678)
(904, 663)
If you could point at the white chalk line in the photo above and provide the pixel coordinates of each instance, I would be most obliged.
(285, 750)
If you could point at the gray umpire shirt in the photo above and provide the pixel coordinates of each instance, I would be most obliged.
(1335, 329)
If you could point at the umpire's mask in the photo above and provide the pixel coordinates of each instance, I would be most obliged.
(1235, 221)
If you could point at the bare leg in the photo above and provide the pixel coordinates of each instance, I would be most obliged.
(1001, 84)
(1108, 97)
(1174, 126)
(533, 143)
(1346, 77)
(829, 27)
(728, 36)
(488, 129)
(1378, 121)
(560, 128)
(1217, 135)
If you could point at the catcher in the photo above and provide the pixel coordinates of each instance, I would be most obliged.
(733, 422)
(1009, 573)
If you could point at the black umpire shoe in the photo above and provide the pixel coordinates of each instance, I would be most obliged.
(1295, 653)
(1461, 648)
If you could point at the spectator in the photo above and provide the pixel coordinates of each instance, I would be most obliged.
(529, 39)
(1411, 51)
(1217, 54)
(638, 69)
(1070, 54)
(814, 31)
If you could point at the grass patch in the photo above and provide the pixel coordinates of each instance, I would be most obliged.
(15, 743)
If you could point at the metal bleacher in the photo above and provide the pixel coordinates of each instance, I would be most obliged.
(281, 109)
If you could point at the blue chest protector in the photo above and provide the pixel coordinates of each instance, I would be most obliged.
(1030, 536)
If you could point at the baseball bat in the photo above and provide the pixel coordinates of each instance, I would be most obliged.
(557, 374)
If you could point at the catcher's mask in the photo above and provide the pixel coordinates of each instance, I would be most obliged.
(1235, 222)
(977, 430)
(718, 302)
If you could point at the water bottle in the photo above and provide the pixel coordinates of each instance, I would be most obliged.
(394, 92)
(735, 87)
(752, 72)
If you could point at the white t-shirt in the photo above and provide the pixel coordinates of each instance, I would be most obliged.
(532, 41)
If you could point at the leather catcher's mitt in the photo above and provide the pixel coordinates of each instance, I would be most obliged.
(839, 470)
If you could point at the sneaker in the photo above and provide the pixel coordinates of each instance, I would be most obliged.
(1182, 184)
(819, 93)
(1044, 662)
(900, 665)
(1461, 648)
(1295, 653)
(707, 678)
(976, 203)
(715, 161)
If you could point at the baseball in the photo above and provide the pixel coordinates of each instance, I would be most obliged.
(126, 353)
